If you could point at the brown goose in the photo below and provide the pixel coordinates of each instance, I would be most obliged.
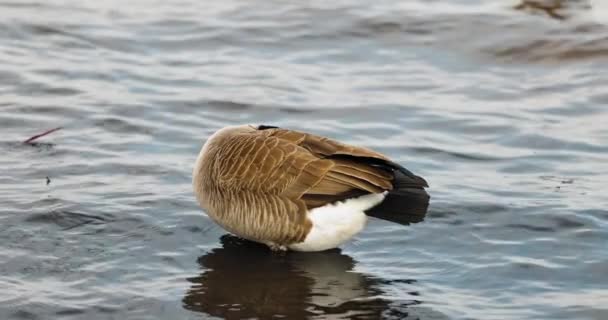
(290, 189)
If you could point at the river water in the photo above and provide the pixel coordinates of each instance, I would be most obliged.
(503, 111)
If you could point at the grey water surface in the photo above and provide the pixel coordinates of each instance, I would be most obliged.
(503, 111)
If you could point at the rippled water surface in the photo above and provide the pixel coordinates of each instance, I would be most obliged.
(503, 111)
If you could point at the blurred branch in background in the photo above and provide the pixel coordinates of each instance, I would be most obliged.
(552, 8)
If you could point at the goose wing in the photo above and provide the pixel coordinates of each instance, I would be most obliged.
(314, 169)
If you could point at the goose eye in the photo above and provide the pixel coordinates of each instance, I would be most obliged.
(264, 127)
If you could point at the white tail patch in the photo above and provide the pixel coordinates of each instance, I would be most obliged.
(334, 224)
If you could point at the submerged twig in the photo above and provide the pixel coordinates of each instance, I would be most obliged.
(549, 7)
(31, 139)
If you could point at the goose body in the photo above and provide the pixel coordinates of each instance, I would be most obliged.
(290, 189)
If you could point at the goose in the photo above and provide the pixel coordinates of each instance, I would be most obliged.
(299, 191)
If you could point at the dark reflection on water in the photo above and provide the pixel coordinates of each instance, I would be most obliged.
(244, 280)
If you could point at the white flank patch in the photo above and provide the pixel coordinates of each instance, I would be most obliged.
(336, 223)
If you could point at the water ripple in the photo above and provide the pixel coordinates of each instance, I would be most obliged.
(502, 110)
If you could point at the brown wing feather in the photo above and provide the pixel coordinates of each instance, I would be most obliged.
(344, 177)
(294, 164)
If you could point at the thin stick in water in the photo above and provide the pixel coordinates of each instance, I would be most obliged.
(30, 140)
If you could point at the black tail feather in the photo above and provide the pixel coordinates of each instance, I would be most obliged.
(407, 203)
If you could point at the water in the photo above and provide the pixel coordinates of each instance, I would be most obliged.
(502, 111)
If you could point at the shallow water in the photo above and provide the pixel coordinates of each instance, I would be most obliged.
(502, 111)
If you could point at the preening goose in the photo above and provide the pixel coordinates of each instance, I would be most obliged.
(290, 189)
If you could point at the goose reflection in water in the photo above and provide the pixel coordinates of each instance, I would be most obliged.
(245, 280)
